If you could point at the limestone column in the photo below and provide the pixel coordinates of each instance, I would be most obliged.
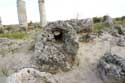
(22, 17)
(42, 12)
(0, 22)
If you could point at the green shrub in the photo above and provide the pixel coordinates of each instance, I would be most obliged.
(9, 28)
(118, 22)
(30, 23)
(5, 70)
(104, 18)
(118, 19)
(123, 17)
(84, 38)
(97, 19)
(15, 35)
(1, 30)
(98, 27)
(119, 29)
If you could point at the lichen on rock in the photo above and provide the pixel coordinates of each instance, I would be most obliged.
(111, 68)
(56, 48)
(30, 75)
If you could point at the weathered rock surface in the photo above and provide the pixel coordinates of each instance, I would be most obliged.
(80, 25)
(0, 22)
(56, 48)
(14, 55)
(42, 12)
(88, 56)
(119, 29)
(22, 17)
(87, 37)
(111, 68)
(121, 41)
(12, 45)
(108, 20)
(29, 75)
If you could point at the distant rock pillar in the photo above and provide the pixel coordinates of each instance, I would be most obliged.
(0, 22)
(123, 22)
(22, 17)
(108, 21)
(42, 12)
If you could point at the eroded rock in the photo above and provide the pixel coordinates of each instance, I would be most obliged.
(56, 48)
(0, 22)
(121, 41)
(111, 68)
(80, 25)
(108, 21)
(30, 75)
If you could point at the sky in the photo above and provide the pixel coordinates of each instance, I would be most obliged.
(62, 9)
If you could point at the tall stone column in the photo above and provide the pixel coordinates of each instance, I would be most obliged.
(22, 17)
(42, 12)
(0, 22)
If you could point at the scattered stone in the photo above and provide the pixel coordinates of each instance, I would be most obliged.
(120, 29)
(111, 68)
(86, 37)
(116, 31)
(121, 41)
(30, 75)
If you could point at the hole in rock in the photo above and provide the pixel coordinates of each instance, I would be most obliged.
(28, 71)
(58, 35)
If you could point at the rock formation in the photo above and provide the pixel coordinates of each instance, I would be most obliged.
(29, 75)
(111, 68)
(42, 11)
(79, 25)
(56, 48)
(108, 20)
(0, 22)
(22, 17)
(121, 41)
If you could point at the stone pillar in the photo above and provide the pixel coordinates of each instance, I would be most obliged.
(0, 22)
(22, 17)
(42, 12)
(123, 21)
(108, 21)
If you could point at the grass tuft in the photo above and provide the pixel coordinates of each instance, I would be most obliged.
(15, 35)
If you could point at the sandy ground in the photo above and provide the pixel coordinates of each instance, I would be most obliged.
(88, 56)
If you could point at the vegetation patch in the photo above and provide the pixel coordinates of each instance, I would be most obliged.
(98, 27)
(15, 35)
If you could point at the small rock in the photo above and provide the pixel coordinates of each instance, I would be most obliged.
(121, 42)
